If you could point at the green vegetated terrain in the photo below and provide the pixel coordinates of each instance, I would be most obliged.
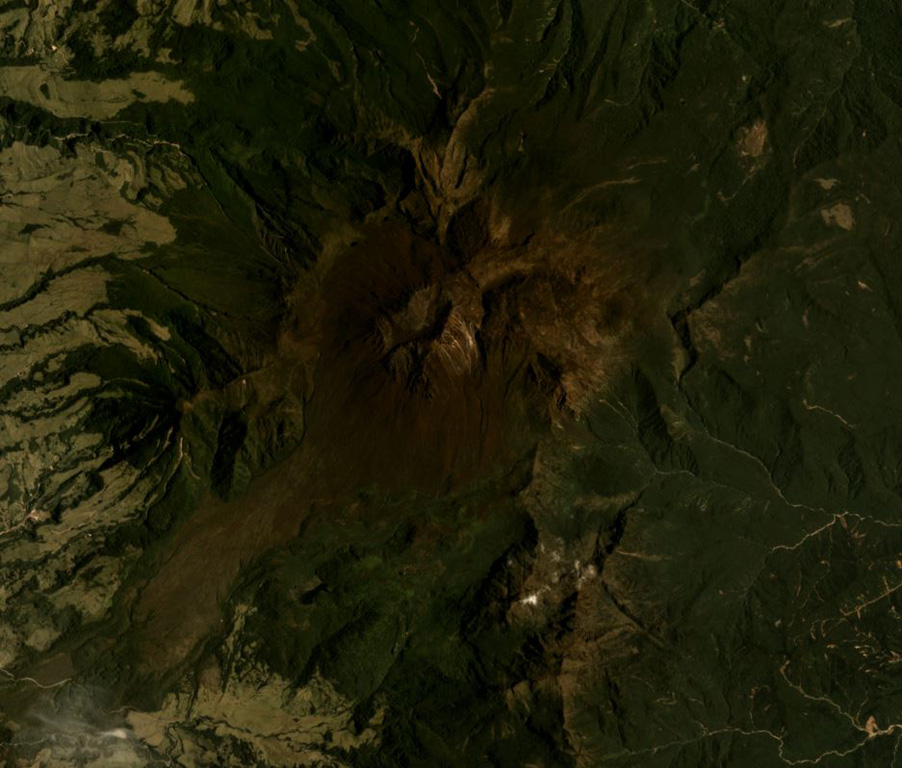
(504, 383)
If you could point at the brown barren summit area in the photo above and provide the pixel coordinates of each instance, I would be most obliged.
(434, 367)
